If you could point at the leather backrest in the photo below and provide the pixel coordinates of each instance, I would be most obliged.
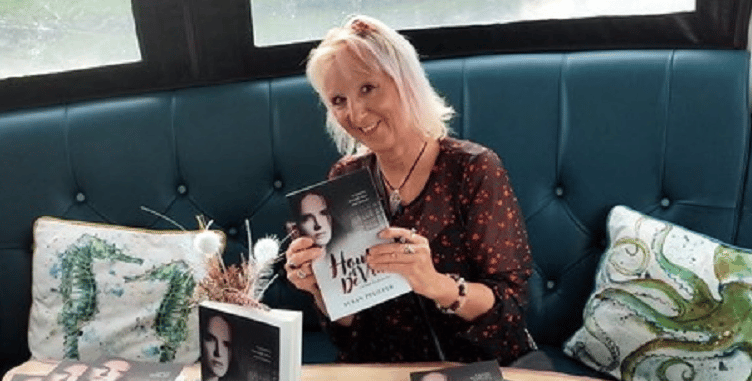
(664, 132)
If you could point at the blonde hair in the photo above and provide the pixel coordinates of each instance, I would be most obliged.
(380, 48)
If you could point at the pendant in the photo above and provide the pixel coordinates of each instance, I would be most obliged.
(394, 200)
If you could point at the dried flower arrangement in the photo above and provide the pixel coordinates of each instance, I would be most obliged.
(243, 283)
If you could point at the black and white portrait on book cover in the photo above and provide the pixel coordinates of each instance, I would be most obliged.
(344, 216)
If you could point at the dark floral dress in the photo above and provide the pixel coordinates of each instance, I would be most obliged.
(469, 213)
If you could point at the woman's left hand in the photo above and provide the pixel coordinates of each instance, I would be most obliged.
(409, 256)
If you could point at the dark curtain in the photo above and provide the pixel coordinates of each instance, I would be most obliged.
(200, 42)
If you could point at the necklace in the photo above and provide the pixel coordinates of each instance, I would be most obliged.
(394, 193)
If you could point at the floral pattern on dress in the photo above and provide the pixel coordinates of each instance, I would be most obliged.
(470, 215)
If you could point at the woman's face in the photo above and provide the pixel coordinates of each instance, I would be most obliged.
(217, 342)
(366, 103)
(315, 220)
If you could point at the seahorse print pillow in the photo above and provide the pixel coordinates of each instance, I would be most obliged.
(668, 304)
(108, 290)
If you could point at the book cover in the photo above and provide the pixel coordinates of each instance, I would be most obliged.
(26, 377)
(477, 371)
(114, 369)
(249, 344)
(344, 215)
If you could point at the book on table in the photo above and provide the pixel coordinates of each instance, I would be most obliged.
(249, 343)
(344, 215)
(108, 368)
(477, 371)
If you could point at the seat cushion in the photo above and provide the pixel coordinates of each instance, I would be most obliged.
(550, 358)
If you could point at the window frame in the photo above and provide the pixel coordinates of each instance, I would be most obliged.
(186, 43)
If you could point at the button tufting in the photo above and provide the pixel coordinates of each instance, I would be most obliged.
(559, 191)
(665, 202)
(232, 231)
(277, 184)
(80, 197)
(182, 189)
(550, 285)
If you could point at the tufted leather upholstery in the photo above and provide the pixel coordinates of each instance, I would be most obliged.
(664, 132)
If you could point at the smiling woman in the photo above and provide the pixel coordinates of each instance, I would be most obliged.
(377, 94)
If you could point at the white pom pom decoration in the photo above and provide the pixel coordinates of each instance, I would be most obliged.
(207, 242)
(265, 250)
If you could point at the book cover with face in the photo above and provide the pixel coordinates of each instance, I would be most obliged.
(344, 216)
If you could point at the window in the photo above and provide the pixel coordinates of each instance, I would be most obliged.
(52, 51)
(278, 22)
(49, 36)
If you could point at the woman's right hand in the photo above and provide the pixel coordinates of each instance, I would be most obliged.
(300, 256)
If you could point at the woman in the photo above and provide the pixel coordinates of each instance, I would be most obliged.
(314, 218)
(216, 341)
(459, 237)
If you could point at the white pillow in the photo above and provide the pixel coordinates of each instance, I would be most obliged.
(108, 290)
(668, 303)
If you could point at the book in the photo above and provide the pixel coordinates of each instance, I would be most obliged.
(249, 343)
(26, 377)
(114, 369)
(477, 371)
(344, 215)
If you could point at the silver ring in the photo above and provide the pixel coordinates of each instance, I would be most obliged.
(409, 249)
(301, 274)
(412, 235)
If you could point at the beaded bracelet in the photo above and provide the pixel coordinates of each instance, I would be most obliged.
(457, 304)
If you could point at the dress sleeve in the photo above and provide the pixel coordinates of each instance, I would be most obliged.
(497, 244)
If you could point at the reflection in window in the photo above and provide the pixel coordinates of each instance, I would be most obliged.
(283, 21)
(48, 36)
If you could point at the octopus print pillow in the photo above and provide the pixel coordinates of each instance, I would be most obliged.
(668, 304)
(107, 290)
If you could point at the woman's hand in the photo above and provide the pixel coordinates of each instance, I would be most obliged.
(300, 255)
(410, 257)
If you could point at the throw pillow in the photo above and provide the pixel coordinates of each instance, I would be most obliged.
(668, 304)
(109, 290)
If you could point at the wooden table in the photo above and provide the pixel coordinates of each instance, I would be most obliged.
(339, 372)
(401, 372)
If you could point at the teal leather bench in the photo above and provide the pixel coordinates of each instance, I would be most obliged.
(664, 132)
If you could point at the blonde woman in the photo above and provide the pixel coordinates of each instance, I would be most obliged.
(459, 236)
